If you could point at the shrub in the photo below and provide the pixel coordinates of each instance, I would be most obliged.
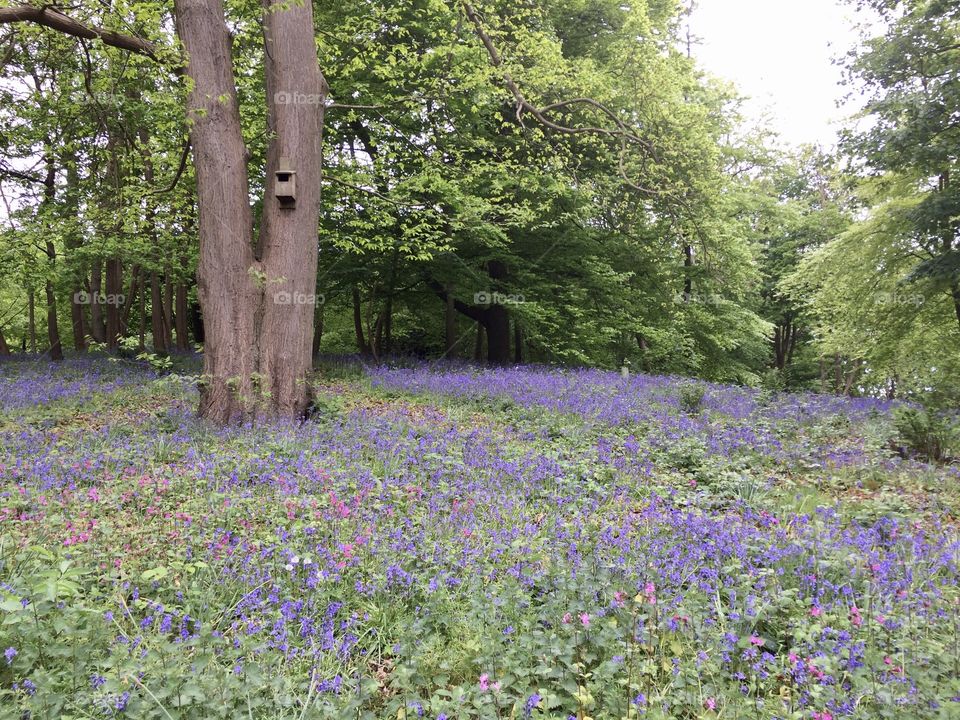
(924, 434)
(691, 398)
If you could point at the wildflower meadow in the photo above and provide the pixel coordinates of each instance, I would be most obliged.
(454, 542)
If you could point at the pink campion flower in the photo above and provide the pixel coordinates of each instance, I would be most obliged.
(711, 704)
(822, 716)
(757, 641)
(484, 682)
(619, 596)
(585, 619)
(792, 657)
(567, 618)
(855, 616)
(815, 611)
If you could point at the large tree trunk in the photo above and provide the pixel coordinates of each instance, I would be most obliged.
(257, 308)
(4, 348)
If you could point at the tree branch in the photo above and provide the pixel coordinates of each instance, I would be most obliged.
(56, 20)
(620, 130)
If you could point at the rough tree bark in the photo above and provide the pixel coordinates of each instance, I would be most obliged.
(257, 306)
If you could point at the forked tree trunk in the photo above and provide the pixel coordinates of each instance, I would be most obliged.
(257, 308)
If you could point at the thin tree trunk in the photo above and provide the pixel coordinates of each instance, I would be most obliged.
(450, 324)
(53, 328)
(98, 329)
(168, 301)
(114, 278)
(852, 377)
(478, 345)
(142, 340)
(362, 346)
(180, 316)
(129, 299)
(32, 322)
(157, 319)
(517, 342)
(72, 243)
(4, 348)
(318, 328)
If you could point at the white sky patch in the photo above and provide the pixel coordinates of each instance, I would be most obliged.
(779, 53)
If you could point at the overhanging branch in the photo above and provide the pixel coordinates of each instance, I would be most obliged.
(620, 130)
(56, 20)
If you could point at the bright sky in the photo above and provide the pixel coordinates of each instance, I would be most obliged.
(779, 53)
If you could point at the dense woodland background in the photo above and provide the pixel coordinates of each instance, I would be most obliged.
(454, 224)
